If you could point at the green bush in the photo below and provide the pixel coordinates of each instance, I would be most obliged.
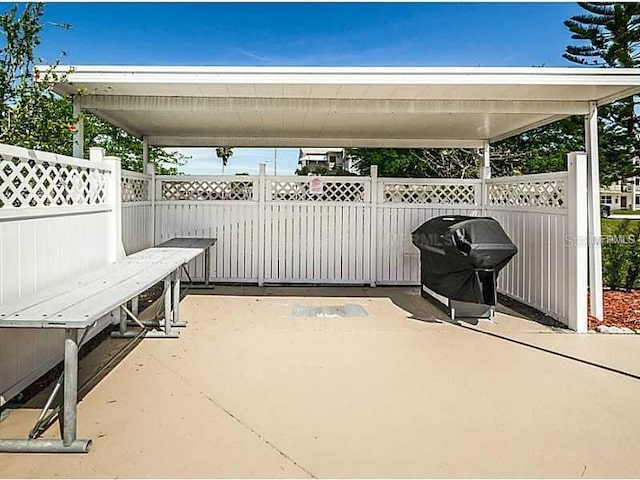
(621, 255)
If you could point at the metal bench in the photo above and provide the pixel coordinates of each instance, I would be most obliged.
(76, 306)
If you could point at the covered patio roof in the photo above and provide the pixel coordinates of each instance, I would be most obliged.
(346, 106)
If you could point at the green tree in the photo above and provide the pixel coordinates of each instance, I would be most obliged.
(610, 37)
(116, 142)
(416, 162)
(30, 115)
(543, 149)
(224, 153)
(33, 116)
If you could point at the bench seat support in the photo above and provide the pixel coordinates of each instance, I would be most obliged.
(171, 297)
(69, 443)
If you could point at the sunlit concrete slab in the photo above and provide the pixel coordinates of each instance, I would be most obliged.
(253, 390)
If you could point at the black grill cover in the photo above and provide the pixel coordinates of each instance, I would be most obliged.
(461, 256)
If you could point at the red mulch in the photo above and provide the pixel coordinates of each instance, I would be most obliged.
(621, 309)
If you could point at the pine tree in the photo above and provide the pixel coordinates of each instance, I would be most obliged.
(612, 35)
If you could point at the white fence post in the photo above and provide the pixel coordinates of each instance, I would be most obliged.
(116, 248)
(576, 241)
(373, 178)
(262, 193)
(151, 170)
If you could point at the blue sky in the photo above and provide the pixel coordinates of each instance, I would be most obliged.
(307, 34)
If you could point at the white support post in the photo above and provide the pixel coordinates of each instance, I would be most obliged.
(145, 153)
(484, 174)
(576, 242)
(485, 167)
(593, 209)
(373, 178)
(78, 135)
(115, 248)
(151, 170)
(262, 194)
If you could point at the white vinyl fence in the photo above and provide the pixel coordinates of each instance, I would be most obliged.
(346, 230)
(137, 211)
(533, 212)
(62, 216)
(357, 230)
(56, 221)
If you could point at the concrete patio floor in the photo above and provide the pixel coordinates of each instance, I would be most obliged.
(250, 390)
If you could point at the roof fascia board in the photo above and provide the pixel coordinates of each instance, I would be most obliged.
(351, 75)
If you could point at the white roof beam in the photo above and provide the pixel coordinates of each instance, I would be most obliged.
(209, 141)
(330, 105)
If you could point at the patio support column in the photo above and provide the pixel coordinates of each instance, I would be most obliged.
(145, 153)
(261, 194)
(78, 133)
(593, 210)
(484, 173)
(151, 170)
(485, 166)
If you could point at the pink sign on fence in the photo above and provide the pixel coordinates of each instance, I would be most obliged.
(315, 185)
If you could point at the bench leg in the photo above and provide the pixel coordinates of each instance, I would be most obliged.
(69, 442)
(167, 305)
(123, 322)
(70, 392)
(176, 301)
(168, 294)
(207, 267)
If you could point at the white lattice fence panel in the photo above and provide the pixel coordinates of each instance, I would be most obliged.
(135, 189)
(29, 182)
(430, 193)
(328, 191)
(198, 190)
(532, 192)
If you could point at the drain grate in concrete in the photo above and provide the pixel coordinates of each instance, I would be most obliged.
(348, 310)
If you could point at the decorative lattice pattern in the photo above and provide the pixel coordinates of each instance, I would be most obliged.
(26, 183)
(135, 189)
(207, 190)
(544, 193)
(441, 193)
(330, 191)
